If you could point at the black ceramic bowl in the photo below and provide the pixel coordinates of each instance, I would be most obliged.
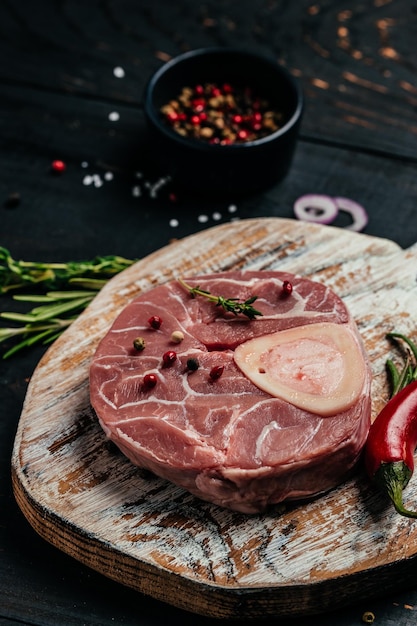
(224, 169)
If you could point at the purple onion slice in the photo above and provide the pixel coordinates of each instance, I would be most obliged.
(356, 211)
(316, 208)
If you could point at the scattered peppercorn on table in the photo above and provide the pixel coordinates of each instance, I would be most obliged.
(77, 185)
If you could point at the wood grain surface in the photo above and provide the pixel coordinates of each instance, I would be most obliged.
(79, 493)
(356, 63)
(356, 60)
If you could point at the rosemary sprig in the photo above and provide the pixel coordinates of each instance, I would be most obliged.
(43, 324)
(231, 305)
(19, 274)
(59, 304)
(400, 378)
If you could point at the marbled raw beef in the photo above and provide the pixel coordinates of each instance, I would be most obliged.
(226, 441)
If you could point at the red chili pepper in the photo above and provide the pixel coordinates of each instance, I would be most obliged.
(391, 443)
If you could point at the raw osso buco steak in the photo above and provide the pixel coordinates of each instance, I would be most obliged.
(244, 413)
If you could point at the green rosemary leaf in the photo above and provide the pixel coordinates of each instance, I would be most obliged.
(8, 333)
(19, 274)
(407, 340)
(393, 374)
(59, 305)
(53, 336)
(39, 337)
(88, 283)
(67, 295)
(27, 342)
(46, 312)
(408, 373)
(50, 311)
(25, 318)
(16, 348)
(33, 298)
(404, 378)
(231, 305)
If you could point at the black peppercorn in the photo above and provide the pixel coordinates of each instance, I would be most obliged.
(192, 364)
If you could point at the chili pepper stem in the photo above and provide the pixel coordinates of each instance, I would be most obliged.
(392, 478)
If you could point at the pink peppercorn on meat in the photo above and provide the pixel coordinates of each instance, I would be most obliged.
(243, 413)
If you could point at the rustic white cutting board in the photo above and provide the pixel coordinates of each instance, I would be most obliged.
(83, 496)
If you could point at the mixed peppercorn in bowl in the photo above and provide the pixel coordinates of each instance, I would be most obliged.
(222, 120)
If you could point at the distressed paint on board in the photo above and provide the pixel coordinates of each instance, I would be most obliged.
(81, 494)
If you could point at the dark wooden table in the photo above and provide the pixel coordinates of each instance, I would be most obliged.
(71, 79)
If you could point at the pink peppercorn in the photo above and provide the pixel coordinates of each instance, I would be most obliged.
(58, 166)
(169, 357)
(155, 322)
(150, 380)
(216, 372)
(172, 116)
(221, 115)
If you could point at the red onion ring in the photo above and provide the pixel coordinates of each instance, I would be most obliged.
(322, 209)
(316, 208)
(357, 212)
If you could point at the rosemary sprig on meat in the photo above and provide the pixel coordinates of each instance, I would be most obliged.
(231, 305)
(62, 292)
